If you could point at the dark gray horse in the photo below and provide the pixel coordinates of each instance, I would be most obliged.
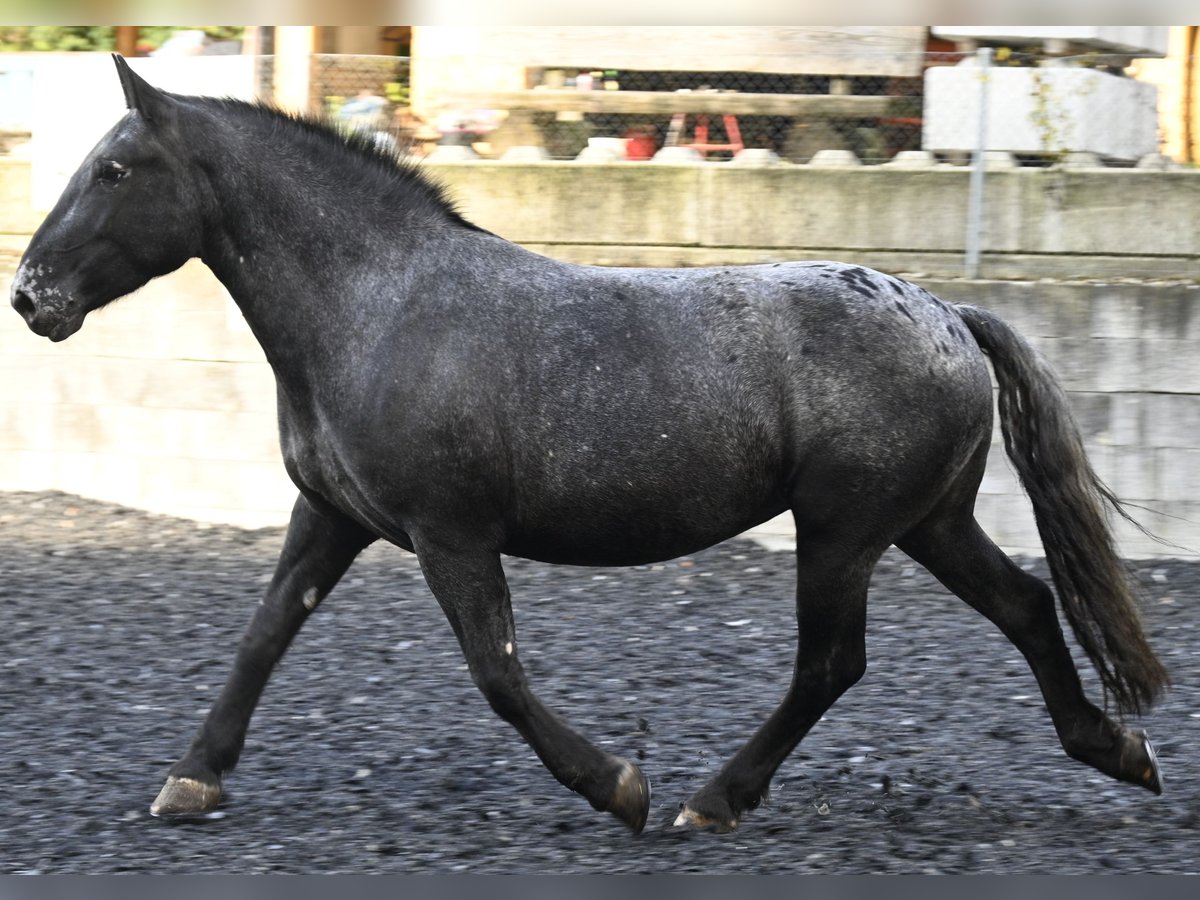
(456, 395)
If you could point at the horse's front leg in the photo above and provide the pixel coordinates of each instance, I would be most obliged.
(317, 551)
(471, 589)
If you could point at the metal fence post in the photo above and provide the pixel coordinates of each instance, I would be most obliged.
(975, 197)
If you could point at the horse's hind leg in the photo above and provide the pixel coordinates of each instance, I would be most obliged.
(472, 591)
(317, 551)
(831, 603)
(958, 553)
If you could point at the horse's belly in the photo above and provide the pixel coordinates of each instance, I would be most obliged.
(607, 526)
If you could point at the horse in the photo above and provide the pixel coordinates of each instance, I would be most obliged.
(447, 391)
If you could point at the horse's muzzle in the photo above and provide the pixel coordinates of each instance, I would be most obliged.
(56, 324)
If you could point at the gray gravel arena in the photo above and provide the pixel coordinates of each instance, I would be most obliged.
(373, 752)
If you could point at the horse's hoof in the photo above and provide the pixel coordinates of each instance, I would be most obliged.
(631, 800)
(185, 796)
(1149, 776)
(688, 817)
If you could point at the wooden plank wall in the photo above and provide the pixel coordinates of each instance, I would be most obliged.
(796, 50)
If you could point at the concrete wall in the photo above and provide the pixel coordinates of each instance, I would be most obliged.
(164, 401)
(1129, 356)
(1058, 223)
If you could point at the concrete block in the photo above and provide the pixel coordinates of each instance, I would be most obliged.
(525, 155)
(187, 482)
(1127, 471)
(600, 155)
(224, 435)
(80, 428)
(801, 206)
(999, 161)
(1178, 470)
(28, 470)
(1081, 159)
(1072, 211)
(679, 156)
(1040, 110)
(553, 202)
(834, 159)
(1157, 162)
(1171, 366)
(1116, 313)
(1174, 521)
(1128, 418)
(618, 146)
(1035, 309)
(106, 476)
(1096, 364)
(999, 477)
(452, 153)
(1008, 520)
(1172, 313)
(250, 494)
(1092, 411)
(913, 159)
(1171, 420)
(756, 156)
(26, 426)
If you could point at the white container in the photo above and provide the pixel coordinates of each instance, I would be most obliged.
(1045, 110)
(678, 156)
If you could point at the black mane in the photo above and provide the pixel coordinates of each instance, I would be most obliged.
(389, 173)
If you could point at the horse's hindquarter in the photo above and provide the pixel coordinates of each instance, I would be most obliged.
(892, 399)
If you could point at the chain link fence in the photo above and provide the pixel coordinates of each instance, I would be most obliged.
(1040, 109)
(719, 135)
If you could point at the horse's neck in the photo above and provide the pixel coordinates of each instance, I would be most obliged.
(293, 260)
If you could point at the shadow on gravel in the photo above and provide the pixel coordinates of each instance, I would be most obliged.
(373, 752)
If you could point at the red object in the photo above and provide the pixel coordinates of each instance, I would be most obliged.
(640, 144)
(700, 138)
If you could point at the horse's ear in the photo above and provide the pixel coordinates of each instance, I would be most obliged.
(140, 95)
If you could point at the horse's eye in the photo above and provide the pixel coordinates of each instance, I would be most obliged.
(111, 172)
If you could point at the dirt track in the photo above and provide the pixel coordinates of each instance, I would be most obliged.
(373, 752)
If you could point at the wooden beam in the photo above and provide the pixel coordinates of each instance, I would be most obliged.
(655, 103)
(883, 50)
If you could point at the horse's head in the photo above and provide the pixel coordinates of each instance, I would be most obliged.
(129, 214)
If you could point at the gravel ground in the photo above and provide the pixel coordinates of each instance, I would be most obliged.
(373, 752)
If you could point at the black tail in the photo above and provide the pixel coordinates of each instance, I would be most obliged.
(1069, 500)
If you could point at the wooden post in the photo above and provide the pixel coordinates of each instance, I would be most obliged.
(127, 39)
(294, 46)
(1191, 95)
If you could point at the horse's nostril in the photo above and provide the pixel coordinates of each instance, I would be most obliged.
(23, 304)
